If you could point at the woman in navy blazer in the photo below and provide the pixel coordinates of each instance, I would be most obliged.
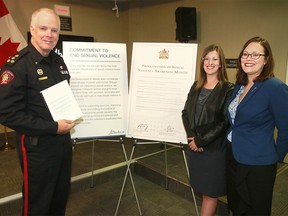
(258, 105)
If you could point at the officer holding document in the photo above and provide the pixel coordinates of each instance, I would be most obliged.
(44, 145)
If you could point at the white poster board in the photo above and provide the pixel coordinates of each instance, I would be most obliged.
(161, 76)
(99, 83)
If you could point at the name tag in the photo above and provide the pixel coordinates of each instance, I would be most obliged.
(43, 78)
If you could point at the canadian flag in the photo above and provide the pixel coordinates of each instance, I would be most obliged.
(11, 39)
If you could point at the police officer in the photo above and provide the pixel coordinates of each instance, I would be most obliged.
(44, 146)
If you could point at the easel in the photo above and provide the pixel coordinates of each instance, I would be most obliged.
(93, 153)
(129, 161)
(182, 146)
(128, 171)
(93, 147)
(6, 145)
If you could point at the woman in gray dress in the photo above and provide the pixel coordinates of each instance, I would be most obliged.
(205, 122)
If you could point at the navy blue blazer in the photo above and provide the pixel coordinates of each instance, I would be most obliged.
(264, 108)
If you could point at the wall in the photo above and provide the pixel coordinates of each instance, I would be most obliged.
(229, 23)
(226, 22)
(98, 21)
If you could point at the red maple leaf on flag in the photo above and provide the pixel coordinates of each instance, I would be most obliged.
(7, 49)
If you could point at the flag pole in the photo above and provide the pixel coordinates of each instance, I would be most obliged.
(6, 146)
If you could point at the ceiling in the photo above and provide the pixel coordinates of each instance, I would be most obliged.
(91, 2)
(118, 1)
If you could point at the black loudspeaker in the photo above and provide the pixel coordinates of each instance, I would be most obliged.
(186, 28)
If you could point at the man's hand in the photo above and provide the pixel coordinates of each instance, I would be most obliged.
(64, 126)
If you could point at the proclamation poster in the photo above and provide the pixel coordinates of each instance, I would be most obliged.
(161, 76)
(99, 83)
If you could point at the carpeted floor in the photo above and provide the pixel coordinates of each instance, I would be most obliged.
(99, 194)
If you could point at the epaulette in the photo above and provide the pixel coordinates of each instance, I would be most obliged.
(12, 59)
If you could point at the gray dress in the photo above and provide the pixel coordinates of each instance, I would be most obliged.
(206, 169)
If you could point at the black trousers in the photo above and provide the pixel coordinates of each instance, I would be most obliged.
(46, 167)
(249, 187)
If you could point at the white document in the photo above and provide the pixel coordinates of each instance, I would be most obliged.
(61, 102)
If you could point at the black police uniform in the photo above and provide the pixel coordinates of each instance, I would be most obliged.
(45, 157)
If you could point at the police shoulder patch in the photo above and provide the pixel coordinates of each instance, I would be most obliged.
(6, 77)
